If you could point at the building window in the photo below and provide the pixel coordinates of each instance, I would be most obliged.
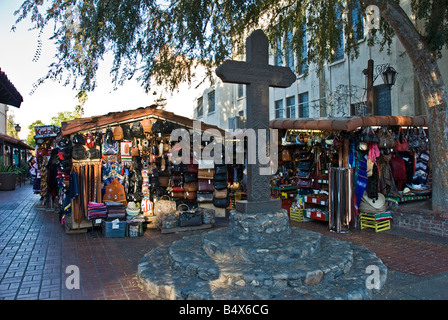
(279, 109)
(357, 21)
(211, 101)
(304, 108)
(199, 107)
(278, 53)
(240, 90)
(383, 101)
(291, 107)
(289, 52)
(303, 56)
(358, 109)
(338, 53)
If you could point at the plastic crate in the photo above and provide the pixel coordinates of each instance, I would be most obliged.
(134, 229)
(114, 229)
(296, 214)
(369, 221)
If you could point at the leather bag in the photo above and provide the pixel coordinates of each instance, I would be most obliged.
(164, 181)
(401, 144)
(79, 152)
(191, 186)
(164, 206)
(190, 195)
(286, 155)
(221, 203)
(205, 185)
(118, 133)
(206, 173)
(190, 176)
(147, 125)
(220, 184)
(220, 194)
(188, 217)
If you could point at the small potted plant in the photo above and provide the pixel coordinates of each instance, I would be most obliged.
(8, 176)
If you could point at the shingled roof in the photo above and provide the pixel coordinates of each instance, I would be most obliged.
(8, 93)
(112, 118)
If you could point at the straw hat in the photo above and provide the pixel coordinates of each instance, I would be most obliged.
(375, 203)
(132, 209)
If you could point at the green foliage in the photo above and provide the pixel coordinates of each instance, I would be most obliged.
(30, 138)
(161, 42)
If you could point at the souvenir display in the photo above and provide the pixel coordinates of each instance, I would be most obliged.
(125, 172)
(384, 161)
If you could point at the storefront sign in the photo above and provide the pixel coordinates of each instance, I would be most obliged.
(46, 131)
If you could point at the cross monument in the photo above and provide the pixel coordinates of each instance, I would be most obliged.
(258, 76)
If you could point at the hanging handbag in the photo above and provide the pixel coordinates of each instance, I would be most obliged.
(204, 196)
(220, 176)
(220, 184)
(423, 141)
(205, 185)
(137, 130)
(147, 125)
(190, 195)
(191, 186)
(188, 217)
(401, 144)
(369, 136)
(118, 133)
(79, 152)
(220, 194)
(386, 139)
(93, 153)
(221, 203)
(135, 151)
(177, 194)
(206, 173)
(164, 181)
(190, 176)
(221, 169)
(286, 155)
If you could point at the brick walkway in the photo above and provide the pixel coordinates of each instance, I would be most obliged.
(35, 252)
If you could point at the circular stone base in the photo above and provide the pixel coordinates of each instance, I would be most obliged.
(216, 265)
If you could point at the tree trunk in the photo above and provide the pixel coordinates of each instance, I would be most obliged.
(433, 90)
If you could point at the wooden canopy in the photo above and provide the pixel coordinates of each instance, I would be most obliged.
(348, 124)
(8, 93)
(113, 118)
(8, 140)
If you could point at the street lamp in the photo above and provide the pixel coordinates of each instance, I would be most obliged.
(389, 76)
(17, 127)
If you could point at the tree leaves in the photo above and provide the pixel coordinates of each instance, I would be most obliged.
(162, 42)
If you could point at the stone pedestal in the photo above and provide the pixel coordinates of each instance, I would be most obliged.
(259, 256)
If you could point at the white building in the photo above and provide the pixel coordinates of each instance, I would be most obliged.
(338, 91)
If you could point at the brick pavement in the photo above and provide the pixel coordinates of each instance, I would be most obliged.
(35, 251)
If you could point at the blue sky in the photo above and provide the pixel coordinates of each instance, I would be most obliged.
(16, 60)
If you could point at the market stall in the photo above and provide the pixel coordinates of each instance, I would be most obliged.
(45, 170)
(124, 168)
(385, 158)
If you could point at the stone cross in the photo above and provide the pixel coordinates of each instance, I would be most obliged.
(258, 76)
